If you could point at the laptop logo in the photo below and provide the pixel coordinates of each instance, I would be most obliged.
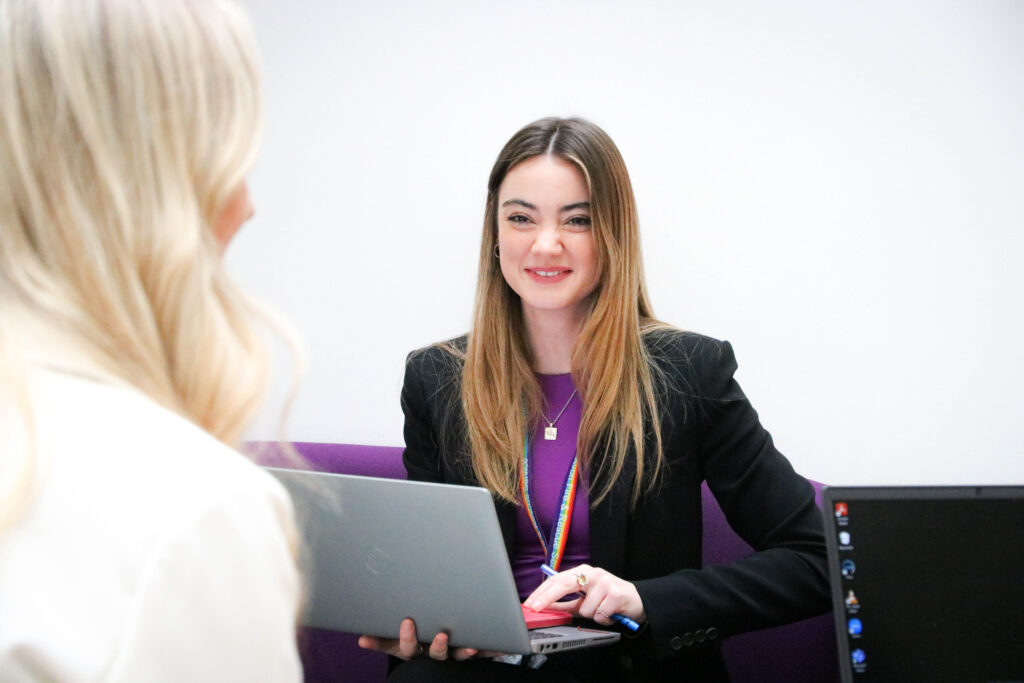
(378, 561)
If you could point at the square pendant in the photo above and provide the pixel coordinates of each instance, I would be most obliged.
(550, 433)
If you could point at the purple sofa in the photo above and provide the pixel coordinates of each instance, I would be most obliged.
(804, 652)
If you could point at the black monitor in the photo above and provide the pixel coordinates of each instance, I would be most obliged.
(927, 582)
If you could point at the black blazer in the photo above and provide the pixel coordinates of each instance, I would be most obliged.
(710, 433)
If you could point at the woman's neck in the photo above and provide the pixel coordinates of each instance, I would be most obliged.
(552, 336)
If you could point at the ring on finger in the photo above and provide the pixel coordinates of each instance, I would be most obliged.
(581, 581)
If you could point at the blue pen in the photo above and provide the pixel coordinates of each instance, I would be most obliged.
(621, 618)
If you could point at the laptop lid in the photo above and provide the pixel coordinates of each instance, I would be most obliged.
(927, 582)
(379, 550)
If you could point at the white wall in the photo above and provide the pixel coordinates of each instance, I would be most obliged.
(834, 187)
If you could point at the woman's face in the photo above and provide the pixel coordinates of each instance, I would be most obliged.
(237, 211)
(545, 242)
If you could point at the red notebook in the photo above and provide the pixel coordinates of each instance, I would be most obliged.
(545, 617)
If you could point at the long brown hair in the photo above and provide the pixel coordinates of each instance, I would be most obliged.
(610, 366)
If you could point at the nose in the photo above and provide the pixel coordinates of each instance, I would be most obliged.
(548, 240)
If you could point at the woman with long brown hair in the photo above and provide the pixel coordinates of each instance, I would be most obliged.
(594, 425)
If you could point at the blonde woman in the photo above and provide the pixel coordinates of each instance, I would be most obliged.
(135, 543)
(568, 384)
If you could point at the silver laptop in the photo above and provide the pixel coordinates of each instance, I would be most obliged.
(379, 550)
(927, 582)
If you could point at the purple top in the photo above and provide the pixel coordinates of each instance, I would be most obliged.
(549, 464)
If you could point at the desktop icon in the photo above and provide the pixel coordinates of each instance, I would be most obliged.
(851, 599)
(858, 659)
(847, 568)
(842, 510)
(854, 626)
(844, 539)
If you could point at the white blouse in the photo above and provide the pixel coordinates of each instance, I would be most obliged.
(149, 551)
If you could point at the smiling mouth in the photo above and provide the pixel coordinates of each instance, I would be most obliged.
(549, 273)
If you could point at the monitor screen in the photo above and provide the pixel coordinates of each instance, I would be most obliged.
(928, 582)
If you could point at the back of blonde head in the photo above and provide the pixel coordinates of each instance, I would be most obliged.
(125, 125)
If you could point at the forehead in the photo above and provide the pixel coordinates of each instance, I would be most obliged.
(545, 180)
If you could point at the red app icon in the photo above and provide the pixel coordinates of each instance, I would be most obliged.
(842, 510)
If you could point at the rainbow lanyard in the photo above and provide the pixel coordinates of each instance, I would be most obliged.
(560, 528)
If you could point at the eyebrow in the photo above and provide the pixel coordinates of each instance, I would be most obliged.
(528, 205)
(519, 202)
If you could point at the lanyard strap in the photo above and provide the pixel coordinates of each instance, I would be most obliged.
(562, 522)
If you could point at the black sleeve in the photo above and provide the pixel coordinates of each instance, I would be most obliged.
(768, 504)
(422, 455)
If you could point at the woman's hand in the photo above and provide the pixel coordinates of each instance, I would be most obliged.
(604, 594)
(406, 646)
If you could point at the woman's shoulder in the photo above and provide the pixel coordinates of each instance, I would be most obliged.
(112, 451)
(99, 430)
(671, 344)
(696, 364)
(440, 358)
(136, 500)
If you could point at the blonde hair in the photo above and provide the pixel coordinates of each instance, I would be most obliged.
(125, 126)
(501, 397)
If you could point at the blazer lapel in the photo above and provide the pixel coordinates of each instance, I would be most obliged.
(609, 521)
(507, 522)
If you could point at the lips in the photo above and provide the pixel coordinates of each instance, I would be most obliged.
(548, 275)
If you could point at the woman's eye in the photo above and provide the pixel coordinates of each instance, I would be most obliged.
(579, 222)
(518, 219)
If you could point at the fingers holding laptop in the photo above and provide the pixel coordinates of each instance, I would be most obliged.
(603, 597)
(407, 646)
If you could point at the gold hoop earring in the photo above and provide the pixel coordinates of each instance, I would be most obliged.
(497, 254)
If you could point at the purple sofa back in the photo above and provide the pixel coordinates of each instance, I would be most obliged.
(804, 651)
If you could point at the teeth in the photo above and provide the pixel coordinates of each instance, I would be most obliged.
(547, 273)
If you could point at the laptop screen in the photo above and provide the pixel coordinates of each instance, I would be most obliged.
(927, 582)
